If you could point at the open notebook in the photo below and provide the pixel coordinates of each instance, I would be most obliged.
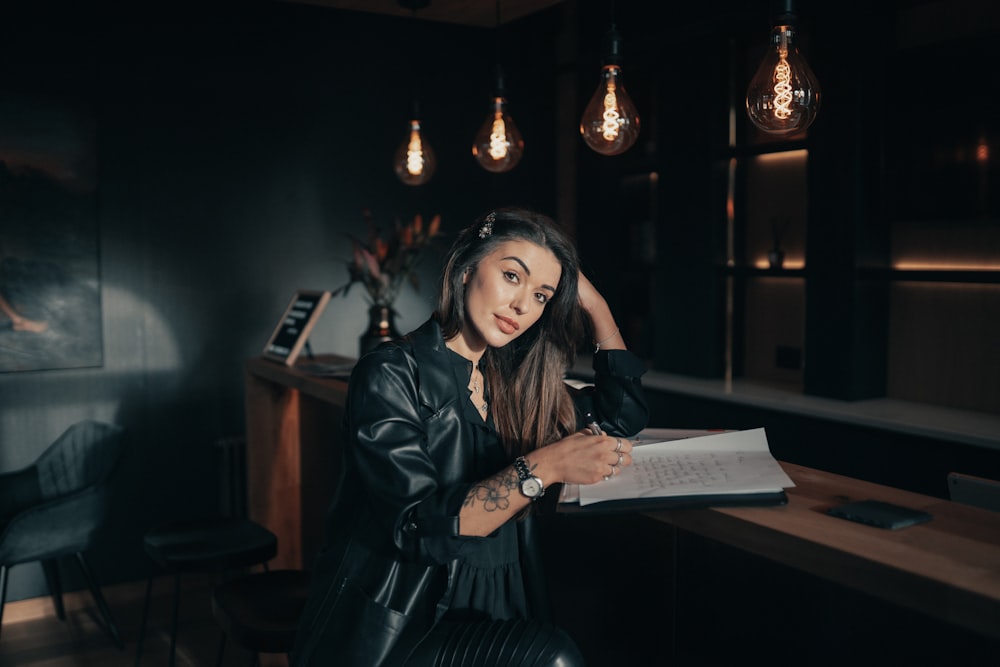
(677, 469)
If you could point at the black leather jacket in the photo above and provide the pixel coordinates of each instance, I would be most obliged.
(392, 529)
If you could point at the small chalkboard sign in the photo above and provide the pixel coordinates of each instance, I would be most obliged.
(293, 329)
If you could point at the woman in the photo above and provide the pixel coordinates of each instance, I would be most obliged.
(452, 432)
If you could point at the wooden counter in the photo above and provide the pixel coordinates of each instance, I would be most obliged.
(948, 568)
(293, 454)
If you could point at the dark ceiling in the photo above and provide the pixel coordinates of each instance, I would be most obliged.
(481, 13)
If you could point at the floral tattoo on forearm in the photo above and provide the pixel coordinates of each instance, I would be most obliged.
(494, 493)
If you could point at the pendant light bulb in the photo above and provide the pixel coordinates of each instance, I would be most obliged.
(498, 145)
(610, 122)
(783, 97)
(415, 160)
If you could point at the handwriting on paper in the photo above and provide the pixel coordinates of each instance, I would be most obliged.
(733, 462)
(656, 473)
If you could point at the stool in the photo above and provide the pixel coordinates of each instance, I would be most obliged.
(260, 611)
(213, 545)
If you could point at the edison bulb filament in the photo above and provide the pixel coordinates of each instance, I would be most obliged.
(498, 138)
(612, 119)
(782, 85)
(414, 154)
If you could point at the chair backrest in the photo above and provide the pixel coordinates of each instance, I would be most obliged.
(60, 501)
(83, 456)
(972, 490)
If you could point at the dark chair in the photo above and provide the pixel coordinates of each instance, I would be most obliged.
(55, 508)
(221, 546)
(260, 611)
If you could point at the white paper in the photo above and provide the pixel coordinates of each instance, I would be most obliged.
(728, 462)
(653, 435)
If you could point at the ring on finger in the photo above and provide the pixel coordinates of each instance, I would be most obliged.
(621, 457)
(618, 447)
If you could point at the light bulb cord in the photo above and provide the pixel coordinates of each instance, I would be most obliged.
(785, 13)
(498, 69)
(413, 5)
(613, 41)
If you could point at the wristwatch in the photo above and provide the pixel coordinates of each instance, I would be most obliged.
(531, 486)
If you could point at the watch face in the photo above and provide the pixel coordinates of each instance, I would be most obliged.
(531, 487)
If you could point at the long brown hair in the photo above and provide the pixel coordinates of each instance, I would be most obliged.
(531, 405)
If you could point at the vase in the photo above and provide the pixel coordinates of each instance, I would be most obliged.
(381, 327)
(776, 258)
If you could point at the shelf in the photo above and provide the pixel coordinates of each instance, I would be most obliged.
(893, 275)
(932, 275)
(977, 429)
(776, 146)
(753, 271)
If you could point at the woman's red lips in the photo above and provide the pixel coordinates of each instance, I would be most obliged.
(508, 326)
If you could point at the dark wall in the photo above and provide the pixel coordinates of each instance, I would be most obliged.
(888, 184)
(233, 159)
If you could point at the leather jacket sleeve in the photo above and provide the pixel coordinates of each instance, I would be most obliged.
(403, 426)
(403, 452)
(617, 399)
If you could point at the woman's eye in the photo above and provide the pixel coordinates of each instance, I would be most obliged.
(541, 298)
(511, 276)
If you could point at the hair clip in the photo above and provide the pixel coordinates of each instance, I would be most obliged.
(487, 227)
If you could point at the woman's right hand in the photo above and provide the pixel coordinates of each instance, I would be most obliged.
(581, 458)
(602, 322)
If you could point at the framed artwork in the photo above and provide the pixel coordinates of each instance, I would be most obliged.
(50, 288)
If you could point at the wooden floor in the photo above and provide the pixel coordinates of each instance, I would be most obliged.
(616, 595)
(32, 635)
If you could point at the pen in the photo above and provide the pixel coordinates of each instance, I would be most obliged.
(592, 425)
